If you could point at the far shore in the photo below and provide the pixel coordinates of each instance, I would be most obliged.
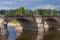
(12, 24)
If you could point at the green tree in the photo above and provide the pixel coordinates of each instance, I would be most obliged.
(53, 12)
(16, 10)
(28, 11)
(21, 10)
(2, 12)
(41, 11)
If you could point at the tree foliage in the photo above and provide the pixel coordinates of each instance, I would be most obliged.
(29, 11)
(41, 11)
(21, 10)
(53, 12)
(2, 12)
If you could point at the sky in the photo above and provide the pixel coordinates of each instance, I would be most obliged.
(30, 4)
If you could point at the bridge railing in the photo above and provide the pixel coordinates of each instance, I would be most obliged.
(18, 15)
(26, 15)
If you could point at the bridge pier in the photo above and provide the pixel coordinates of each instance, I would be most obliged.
(5, 25)
(40, 26)
(4, 30)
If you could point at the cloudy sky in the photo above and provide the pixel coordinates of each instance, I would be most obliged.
(32, 4)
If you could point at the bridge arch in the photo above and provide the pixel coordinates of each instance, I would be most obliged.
(52, 23)
(27, 29)
(52, 29)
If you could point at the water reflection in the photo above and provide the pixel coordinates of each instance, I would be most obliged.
(3, 37)
(12, 33)
(25, 35)
(52, 35)
(30, 35)
(11, 36)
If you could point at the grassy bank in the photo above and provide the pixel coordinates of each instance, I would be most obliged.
(13, 21)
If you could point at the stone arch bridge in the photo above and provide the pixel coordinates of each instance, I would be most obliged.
(37, 25)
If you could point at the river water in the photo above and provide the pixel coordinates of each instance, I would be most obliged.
(12, 33)
(11, 36)
(25, 35)
(51, 35)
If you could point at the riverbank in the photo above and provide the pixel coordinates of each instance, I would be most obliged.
(12, 24)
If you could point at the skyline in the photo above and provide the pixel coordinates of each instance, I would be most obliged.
(30, 4)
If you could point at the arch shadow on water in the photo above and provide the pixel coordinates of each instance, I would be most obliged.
(29, 31)
(3, 37)
(52, 33)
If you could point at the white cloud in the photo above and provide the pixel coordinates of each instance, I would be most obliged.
(46, 7)
(25, 3)
(7, 8)
(14, 2)
(49, 7)
(4, 8)
(7, 2)
(30, 0)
